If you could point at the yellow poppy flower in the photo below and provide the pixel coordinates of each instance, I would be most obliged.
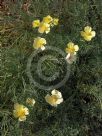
(55, 98)
(20, 112)
(88, 34)
(36, 23)
(30, 101)
(55, 21)
(44, 27)
(48, 19)
(72, 48)
(39, 43)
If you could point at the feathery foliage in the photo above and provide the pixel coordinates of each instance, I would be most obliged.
(81, 112)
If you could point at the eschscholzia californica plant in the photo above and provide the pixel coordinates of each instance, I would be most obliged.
(45, 24)
(88, 34)
(36, 23)
(72, 48)
(71, 52)
(44, 28)
(39, 43)
(30, 101)
(48, 19)
(55, 21)
(55, 98)
(20, 112)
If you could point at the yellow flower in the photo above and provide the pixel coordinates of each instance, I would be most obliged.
(39, 43)
(48, 19)
(72, 48)
(44, 27)
(30, 101)
(20, 112)
(88, 34)
(55, 98)
(55, 21)
(36, 23)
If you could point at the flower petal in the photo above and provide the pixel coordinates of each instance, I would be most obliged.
(88, 38)
(43, 48)
(47, 30)
(23, 118)
(93, 33)
(26, 111)
(87, 29)
(57, 93)
(82, 33)
(76, 47)
(47, 97)
(70, 44)
(59, 101)
(15, 114)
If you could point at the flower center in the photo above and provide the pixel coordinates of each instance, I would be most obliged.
(54, 98)
(89, 34)
(21, 113)
(71, 50)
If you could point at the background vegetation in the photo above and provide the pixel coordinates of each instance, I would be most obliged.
(81, 112)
